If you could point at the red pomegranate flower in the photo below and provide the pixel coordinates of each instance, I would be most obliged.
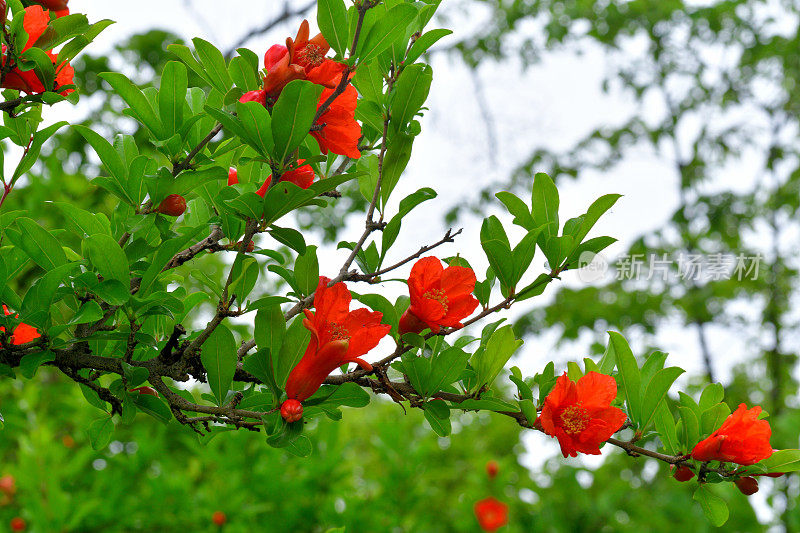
(35, 24)
(439, 296)
(580, 415)
(338, 336)
(742, 439)
(491, 513)
(304, 59)
(340, 132)
(302, 176)
(23, 333)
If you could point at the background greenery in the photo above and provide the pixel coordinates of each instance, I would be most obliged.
(380, 470)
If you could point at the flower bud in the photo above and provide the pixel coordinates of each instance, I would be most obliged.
(145, 390)
(8, 485)
(747, 485)
(18, 524)
(492, 469)
(219, 518)
(683, 473)
(173, 205)
(292, 410)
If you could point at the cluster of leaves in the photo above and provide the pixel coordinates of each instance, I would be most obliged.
(112, 310)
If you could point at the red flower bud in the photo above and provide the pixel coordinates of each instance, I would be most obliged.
(492, 469)
(8, 485)
(292, 410)
(173, 205)
(491, 513)
(747, 485)
(683, 473)
(219, 518)
(145, 390)
(18, 524)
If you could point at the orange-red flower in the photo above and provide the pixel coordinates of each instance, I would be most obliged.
(304, 59)
(23, 333)
(338, 336)
(742, 439)
(35, 24)
(302, 176)
(439, 296)
(580, 415)
(340, 132)
(491, 513)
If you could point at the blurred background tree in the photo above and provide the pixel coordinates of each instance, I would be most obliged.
(711, 93)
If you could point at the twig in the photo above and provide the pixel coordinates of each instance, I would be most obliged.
(180, 167)
(287, 14)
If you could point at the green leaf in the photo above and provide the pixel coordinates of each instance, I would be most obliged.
(655, 391)
(88, 312)
(140, 106)
(30, 363)
(523, 253)
(219, 358)
(515, 206)
(593, 214)
(780, 461)
(109, 259)
(445, 368)
(292, 116)
(629, 375)
(255, 121)
(346, 394)
(409, 93)
(487, 404)
(714, 507)
(713, 417)
(489, 362)
(424, 42)
(100, 432)
(39, 244)
(83, 222)
(691, 428)
(294, 346)
(214, 64)
(711, 396)
(392, 229)
(544, 206)
(153, 406)
(306, 270)
(667, 431)
(43, 66)
(172, 96)
(441, 427)
(498, 250)
(164, 253)
(270, 328)
(109, 157)
(332, 21)
(259, 365)
(389, 28)
(290, 237)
